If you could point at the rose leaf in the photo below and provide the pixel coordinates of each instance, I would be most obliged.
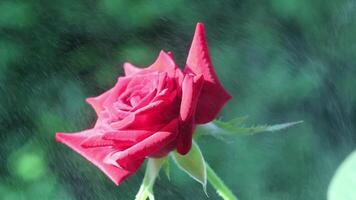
(219, 128)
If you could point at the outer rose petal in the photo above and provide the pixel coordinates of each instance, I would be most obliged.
(191, 88)
(170, 54)
(190, 94)
(213, 96)
(98, 103)
(145, 148)
(127, 135)
(163, 63)
(131, 69)
(96, 155)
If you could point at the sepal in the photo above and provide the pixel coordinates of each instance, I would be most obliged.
(193, 164)
(152, 170)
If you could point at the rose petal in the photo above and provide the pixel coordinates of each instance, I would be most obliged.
(107, 98)
(166, 96)
(143, 81)
(164, 63)
(96, 141)
(146, 147)
(127, 135)
(191, 87)
(97, 102)
(121, 106)
(157, 112)
(100, 141)
(150, 107)
(96, 155)
(146, 100)
(190, 95)
(131, 69)
(127, 121)
(185, 136)
(213, 95)
(162, 81)
(170, 54)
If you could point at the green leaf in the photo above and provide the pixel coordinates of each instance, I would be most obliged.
(193, 164)
(343, 184)
(152, 171)
(231, 124)
(238, 120)
(218, 128)
(278, 127)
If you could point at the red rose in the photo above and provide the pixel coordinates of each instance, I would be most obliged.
(150, 112)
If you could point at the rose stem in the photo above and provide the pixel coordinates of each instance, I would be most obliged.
(219, 185)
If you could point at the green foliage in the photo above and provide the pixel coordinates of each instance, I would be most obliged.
(28, 163)
(15, 14)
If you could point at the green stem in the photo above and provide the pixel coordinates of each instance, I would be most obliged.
(219, 185)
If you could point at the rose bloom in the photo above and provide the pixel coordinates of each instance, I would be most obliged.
(150, 112)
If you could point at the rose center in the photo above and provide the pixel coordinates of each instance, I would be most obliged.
(138, 90)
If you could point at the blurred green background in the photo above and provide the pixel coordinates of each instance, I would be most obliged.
(282, 60)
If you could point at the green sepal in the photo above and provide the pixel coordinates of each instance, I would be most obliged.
(152, 170)
(193, 164)
(166, 168)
